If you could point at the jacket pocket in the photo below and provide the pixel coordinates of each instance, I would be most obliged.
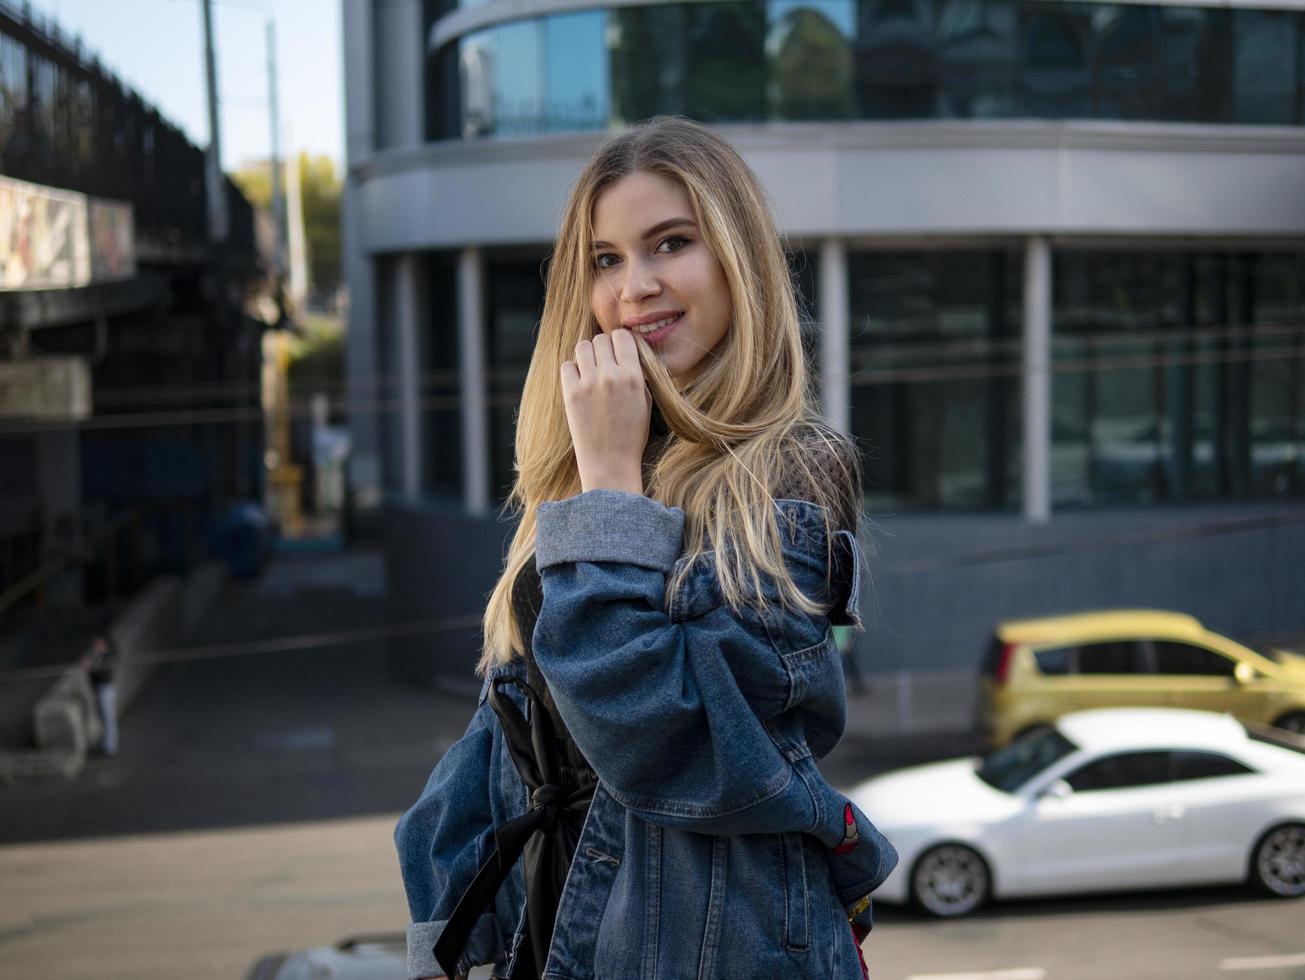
(797, 898)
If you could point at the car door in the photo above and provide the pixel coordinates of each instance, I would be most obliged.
(1223, 802)
(1196, 677)
(1114, 673)
(1117, 828)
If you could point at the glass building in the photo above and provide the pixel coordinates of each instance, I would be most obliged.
(1053, 254)
(1051, 257)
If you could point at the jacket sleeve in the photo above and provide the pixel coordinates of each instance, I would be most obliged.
(442, 840)
(653, 703)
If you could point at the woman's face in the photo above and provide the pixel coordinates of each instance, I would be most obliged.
(654, 274)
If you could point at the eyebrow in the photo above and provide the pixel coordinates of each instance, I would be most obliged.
(656, 229)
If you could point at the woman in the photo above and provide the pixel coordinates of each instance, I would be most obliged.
(659, 673)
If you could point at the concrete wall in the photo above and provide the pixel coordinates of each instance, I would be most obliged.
(440, 562)
(882, 181)
(936, 586)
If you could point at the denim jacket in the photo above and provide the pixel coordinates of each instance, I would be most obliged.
(707, 850)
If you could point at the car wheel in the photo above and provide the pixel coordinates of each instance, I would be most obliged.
(949, 880)
(1278, 861)
(1292, 721)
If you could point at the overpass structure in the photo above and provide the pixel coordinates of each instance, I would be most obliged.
(129, 333)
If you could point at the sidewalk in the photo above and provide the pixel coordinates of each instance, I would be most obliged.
(260, 739)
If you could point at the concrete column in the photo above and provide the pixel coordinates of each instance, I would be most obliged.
(1037, 379)
(359, 88)
(472, 381)
(408, 320)
(362, 388)
(833, 305)
(399, 52)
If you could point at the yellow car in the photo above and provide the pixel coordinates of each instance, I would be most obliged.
(1040, 669)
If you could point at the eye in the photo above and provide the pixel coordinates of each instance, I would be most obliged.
(600, 260)
(676, 242)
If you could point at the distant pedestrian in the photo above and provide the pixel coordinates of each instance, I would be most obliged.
(100, 663)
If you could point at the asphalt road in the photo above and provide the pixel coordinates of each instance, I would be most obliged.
(252, 807)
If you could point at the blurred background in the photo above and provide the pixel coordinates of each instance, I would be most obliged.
(270, 272)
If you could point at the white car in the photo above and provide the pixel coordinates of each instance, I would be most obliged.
(1105, 800)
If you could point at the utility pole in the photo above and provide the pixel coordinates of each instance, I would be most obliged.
(218, 225)
(228, 334)
(274, 111)
(298, 246)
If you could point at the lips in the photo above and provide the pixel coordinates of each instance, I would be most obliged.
(655, 326)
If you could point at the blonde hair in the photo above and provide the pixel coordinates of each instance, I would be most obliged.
(743, 424)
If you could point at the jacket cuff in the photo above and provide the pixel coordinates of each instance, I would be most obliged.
(482, 947)
(609, 526)
(859, 871)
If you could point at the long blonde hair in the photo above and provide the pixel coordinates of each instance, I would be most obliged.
(744, 423)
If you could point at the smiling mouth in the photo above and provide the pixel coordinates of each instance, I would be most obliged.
(653, 332)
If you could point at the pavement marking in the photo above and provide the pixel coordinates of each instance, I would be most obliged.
(1015, 973)
(1262, 962)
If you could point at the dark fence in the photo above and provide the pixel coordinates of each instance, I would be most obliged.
(67, 122)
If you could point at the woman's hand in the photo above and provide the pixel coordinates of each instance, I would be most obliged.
(608, 407)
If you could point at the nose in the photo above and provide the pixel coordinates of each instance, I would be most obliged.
(639, 283)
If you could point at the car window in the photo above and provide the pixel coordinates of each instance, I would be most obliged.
(1205, 765)
(1121, 771)
(1010, 768)
(1173, 657)
(1111, 657)
(1057, 661)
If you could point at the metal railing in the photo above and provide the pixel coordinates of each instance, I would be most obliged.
(67, 122)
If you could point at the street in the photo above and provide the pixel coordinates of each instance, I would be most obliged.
(252, 808)
(207, 904)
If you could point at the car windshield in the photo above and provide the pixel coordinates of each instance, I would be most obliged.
(1010, 768)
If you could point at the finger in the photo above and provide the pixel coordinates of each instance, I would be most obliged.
(570, 374)
(604, 357)
(625, 349)
(584, 357)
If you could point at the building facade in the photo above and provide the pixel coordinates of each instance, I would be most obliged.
(1052, 256)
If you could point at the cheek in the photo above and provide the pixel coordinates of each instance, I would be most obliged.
(601, 305)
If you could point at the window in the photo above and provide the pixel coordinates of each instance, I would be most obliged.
(1184, 658)
(730, 61)
(1010, 768)
(933, 348)
(1123, 771)
(1114, 657)
(514, 284)
(1205, 765)
(1058, 661)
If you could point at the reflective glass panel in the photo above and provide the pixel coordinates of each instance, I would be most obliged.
(725, 65)
(501, 73)
(1194, 64)
(747, 60)
(440, 400)
(1178, 376)
(934, 377)
(1264, 80)
(577, 75)
(895, 60)
(1129, 44)
(809, 56)
(646, 48)
(977, 57)
(514, 302)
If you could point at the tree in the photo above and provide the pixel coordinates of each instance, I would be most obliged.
(321, 189)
